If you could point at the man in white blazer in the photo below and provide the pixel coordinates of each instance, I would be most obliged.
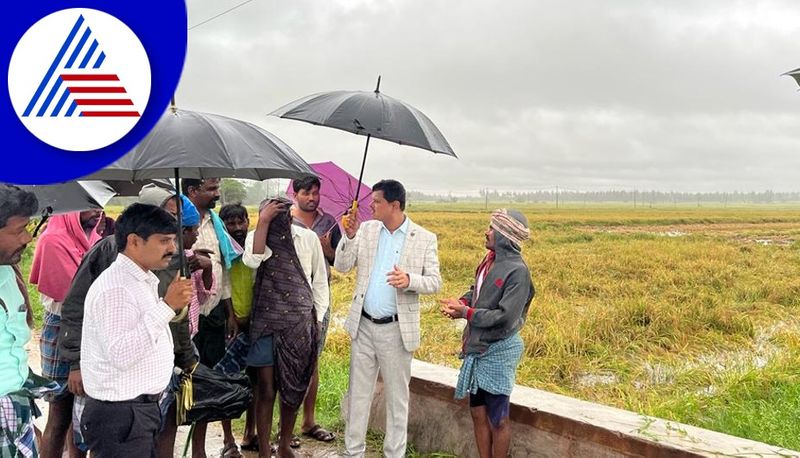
(397, 261)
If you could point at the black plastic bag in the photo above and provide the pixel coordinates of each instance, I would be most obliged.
(209, 395)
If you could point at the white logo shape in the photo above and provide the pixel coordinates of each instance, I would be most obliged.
(79, 79)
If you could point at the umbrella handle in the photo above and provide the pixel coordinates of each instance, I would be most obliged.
(351, 213)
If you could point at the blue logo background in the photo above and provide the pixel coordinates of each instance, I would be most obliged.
(160, 26)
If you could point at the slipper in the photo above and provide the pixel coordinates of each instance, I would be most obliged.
(230, 451)
(319, 433)
(251, 446)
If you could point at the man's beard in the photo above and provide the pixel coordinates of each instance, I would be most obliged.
(309, 206)
(240, 237)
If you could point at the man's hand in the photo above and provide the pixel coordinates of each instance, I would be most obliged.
(203, 252)
(198, 262)
(232, 328)
(75, 383)
(327, 250)
(453, 308)
(350, 224)
(179, 293)
(101, 224)
(272, 209)
(398, 278)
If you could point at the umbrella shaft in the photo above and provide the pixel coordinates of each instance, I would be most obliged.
(363, 163)
(184, 269)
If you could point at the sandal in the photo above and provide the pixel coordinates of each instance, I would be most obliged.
(294, 443)
(319, 433)
(230, 451)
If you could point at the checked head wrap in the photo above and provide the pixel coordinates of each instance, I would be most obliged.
(511, 224)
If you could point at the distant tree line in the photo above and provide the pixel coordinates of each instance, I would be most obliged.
(634, 197)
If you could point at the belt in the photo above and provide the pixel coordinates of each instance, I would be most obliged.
(142, 398)
(385, 320)
(145, 398)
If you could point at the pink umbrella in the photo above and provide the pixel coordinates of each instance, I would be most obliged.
(338, 190)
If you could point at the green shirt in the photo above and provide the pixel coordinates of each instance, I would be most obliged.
(242, 280)
(14, 333)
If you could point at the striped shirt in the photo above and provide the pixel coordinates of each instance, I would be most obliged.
(126, 346)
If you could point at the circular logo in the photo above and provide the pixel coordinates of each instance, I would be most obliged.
(87, 81)
(79, 79)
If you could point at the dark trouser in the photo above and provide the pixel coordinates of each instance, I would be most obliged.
(210, 338)
(121, 429)
(498, 406)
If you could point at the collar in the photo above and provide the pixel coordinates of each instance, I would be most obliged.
(295, 219)
(134, 270)
(295, 231)
(403, 227)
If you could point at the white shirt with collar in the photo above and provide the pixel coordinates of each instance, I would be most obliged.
(126, 346)
(312, 260)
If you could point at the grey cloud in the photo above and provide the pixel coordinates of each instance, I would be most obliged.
(579, 93)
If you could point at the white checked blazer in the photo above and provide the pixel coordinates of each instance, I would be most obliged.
(419, 258)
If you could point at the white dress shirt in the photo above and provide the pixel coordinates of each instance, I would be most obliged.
(312, 260)
(126, 346)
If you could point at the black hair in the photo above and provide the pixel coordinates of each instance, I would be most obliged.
(143, 220)
(15, 201)
(305, 183)
(187, 183)
(393, 191)
(233, 211)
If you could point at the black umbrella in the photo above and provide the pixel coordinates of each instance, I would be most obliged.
(82, 195)
(373, 114)
(794, 74)
(191, 144)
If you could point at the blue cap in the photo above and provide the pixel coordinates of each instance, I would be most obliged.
(189, 214)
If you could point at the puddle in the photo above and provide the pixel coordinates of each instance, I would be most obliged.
(590, 380)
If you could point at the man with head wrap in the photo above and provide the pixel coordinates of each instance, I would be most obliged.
(290, 298)
(495, 308)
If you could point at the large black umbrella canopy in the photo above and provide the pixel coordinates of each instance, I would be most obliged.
(373, 114)
(192, 144)
(204, 145)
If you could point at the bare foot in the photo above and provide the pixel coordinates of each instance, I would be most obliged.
(285, 452)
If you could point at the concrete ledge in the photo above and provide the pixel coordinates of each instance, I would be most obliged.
(551, 425)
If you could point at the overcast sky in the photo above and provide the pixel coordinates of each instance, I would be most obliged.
(586, 95)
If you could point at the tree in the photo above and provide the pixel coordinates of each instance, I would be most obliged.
(232, 191)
